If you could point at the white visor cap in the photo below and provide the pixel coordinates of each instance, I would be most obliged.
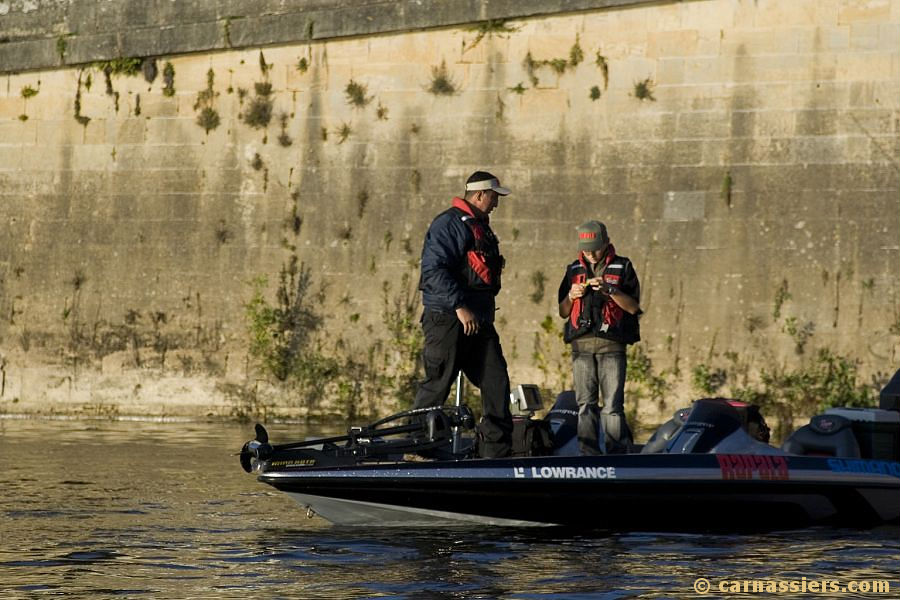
(487, 184)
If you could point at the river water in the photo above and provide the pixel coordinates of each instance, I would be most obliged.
(135, 509)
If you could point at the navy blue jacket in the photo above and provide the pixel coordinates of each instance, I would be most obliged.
(443, 280)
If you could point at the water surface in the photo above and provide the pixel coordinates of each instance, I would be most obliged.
(101, 508)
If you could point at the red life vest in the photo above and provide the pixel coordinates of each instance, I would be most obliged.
(484, 263)
(594, 313)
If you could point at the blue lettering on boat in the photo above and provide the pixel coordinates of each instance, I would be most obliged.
(855, 465)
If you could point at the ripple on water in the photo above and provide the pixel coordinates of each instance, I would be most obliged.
(147, 525)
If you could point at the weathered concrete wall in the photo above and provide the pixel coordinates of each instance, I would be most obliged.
(756, 191)
(37, 34)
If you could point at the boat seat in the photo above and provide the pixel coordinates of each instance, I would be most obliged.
(826, 435)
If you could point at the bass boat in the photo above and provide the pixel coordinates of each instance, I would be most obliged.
(708, 468)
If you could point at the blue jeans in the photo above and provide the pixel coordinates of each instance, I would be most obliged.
(600, 393)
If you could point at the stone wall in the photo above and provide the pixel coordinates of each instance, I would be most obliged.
(744, 154)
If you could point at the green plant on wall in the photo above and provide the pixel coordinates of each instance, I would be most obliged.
(707, 380)
(782, 295)
(813, 386)
(727, 183)
(441, 82)
(82, 119)
(29, 92)
(488, 28)
(641, 378)
(603, 64)
(643, 90)
(259, 111)
(280, 332)
(558, 65)
(551, 356)
(61, 47)
(405, 338)
(284, 139)
(168, 80)
(538, 281)
(356, 94)
(343, 132)
(594, 93)
(208, 118)
(129, 67)
(576, 54)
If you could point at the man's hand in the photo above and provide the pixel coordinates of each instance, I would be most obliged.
(468, 320)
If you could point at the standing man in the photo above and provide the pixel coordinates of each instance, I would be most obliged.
(461, 265)
(600, 299)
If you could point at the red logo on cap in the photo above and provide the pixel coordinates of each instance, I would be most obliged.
(587, 235)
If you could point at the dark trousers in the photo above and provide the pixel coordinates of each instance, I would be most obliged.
(447, 351)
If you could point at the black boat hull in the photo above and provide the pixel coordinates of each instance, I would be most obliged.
(627, 492)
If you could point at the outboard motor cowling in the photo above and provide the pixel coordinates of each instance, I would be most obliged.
(715, 425)
(709, 422)
(563, 419)
(660, 438)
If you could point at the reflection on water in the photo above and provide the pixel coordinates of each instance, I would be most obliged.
(97, 508)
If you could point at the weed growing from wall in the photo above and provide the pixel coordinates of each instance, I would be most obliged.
(343, 132)
(594, 93)
(530, 65)
(488, 29)
(259, 111)
(129, 67)
(29, 92)
(518, 89)
(208, 118)
(61, 47)
(356, 94)
(303, 64)
(603, 64)
(707, 380)
(280, 333)
(284, 139)
(727, 183)
(555, 368)
(557, 65)
(641, 378)
(538, 281)
(441, 82)
(576, 54)
(782, 295)
(403, 363)
(381, 112)
(362, 201)
(168, 80)
(643, 90)
(82, 119)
